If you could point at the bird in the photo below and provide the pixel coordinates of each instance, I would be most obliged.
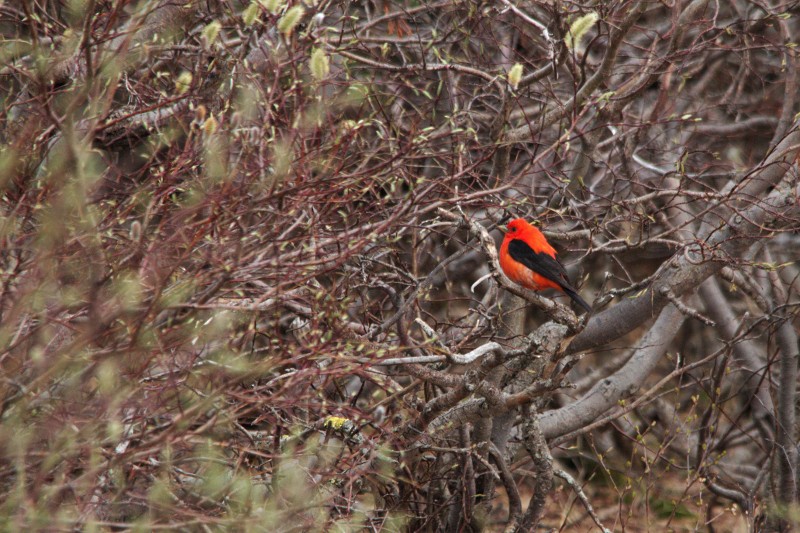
(528, 260)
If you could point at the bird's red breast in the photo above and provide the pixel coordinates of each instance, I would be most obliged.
(521, 274)
(520, 229)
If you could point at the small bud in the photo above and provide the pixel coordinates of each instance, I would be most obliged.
(211, 32)
(320, 67)
(183, 82)
(251, 12)
(289, 20)
(200, 113)
(271, 5)
(210, 125)
(579, 28)
(515, 75)
(136, 231)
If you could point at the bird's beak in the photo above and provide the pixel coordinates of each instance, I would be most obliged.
(501, 225)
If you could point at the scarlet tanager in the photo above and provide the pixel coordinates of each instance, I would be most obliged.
(528, 259)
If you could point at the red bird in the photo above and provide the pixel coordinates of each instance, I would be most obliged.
(528, 259)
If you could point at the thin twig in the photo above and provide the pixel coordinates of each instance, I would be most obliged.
(581, 496)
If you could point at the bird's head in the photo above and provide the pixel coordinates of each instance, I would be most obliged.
(518, 227)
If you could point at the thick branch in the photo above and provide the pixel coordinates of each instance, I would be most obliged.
(687, 270)
(608, 392)
(786, 452)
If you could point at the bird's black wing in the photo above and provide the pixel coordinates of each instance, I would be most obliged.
(539, 262)
(546, 266)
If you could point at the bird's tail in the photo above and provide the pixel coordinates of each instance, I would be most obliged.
(577, 297)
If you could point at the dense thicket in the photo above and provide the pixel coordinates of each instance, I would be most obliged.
(243, 243)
